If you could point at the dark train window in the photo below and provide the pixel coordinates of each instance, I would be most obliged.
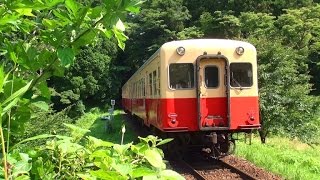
(150, 84)
(154, 83)
(241, 75)
(211, 75)
(181, 76)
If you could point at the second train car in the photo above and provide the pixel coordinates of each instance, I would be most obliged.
(198, 91)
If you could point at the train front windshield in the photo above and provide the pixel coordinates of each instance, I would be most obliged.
(241, 75)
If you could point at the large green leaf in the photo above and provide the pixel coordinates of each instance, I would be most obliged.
(99, 143)
(154, 158)
(1, 78)
(86, 38)
(110, 175)
(17, 94)
(42, 105)
(25, 11)
(42, 136)
(169, 174)
(123, 169)
(165, 141)
(66, 56)
(120, 36)
(142, 171)
(72, 6)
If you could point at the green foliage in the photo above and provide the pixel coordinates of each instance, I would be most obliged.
(285, 32)
(190, 33)
(37, 40)
(44, 122)
(290, 159)
(63, 158)
(285, 104)
(89, 79)
(220, 25)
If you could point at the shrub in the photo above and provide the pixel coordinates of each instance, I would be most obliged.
(62, 158)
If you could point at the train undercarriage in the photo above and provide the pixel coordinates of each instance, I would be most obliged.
(207, 144)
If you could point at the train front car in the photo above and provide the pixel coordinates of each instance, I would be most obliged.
(209, 90)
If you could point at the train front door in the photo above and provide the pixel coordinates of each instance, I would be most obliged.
(212, 92)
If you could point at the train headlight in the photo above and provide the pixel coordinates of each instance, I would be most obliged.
(181, 51)
(240, 50)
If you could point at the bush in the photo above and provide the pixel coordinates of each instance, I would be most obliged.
(62, 158)
(45, 123)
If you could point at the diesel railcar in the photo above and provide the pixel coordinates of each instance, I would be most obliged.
(197, 91)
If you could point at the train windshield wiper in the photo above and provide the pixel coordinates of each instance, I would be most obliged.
(234, 80)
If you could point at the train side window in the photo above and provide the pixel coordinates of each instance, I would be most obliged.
(154, 83)
(144, 87)
(211, 75)
(150, 84)
(158, 82)
(181, 76)
(241, 75)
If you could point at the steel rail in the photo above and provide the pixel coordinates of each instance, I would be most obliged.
(242, 174)
(192, 171)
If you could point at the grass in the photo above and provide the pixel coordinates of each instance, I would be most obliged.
(93, 122)
(290, 159)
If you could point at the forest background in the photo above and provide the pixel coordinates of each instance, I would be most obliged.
(49, 75)
(286, 34)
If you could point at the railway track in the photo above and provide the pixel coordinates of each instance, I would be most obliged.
(208, 170)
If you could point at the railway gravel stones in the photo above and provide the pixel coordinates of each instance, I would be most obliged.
(250, 168)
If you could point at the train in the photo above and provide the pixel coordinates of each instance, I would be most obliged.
(199, 92)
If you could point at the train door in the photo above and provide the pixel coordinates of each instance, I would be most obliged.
(213, 93)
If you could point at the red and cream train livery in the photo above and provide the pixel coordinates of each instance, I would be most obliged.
(201, 90)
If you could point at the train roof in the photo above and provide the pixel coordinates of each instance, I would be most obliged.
(198, 43)
(207, 42)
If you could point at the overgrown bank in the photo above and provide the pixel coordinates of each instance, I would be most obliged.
(290, 159)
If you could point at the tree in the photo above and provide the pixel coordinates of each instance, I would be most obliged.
(38, 39)
(89, 79)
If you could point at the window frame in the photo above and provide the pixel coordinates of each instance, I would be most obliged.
(241, 87)
(194, 78)
(204, 75)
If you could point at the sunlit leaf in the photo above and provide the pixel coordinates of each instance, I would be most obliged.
(164, 141)
(86, 176)
(18, 93)
(150, 177)
(76, 128)
(86, 38)
(120, 25)
(1, 78)
(42, 105)
(123, 169)
(98, 142)
(143, 171)
(121, 149)
(72, 5)
(42, 136)
(25, 11)
(66, 56)
(154, 158)
(110, 175)
(121, 38)
(169, 174)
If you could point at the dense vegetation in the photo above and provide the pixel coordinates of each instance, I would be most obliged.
(39, 39)
(286, 157)
(285, 32)
(61, 57)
